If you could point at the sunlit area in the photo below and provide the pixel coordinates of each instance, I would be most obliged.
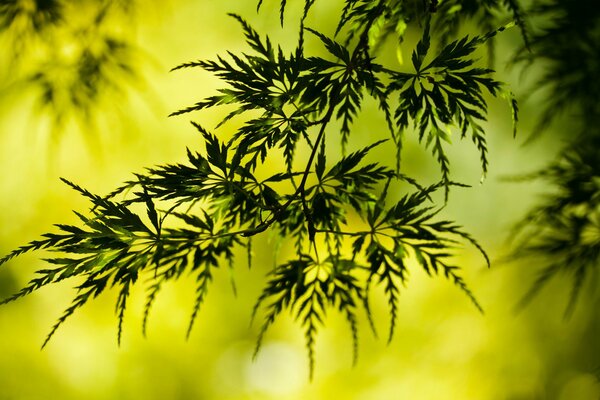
(90, 92)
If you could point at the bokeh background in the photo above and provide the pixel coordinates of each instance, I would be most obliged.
(443, 348)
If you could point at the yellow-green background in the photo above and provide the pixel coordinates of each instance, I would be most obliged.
(443, 348)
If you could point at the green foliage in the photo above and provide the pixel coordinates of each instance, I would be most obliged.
(451, 90)
(391, 17)
(192, 217)
(561, 231)
(567, 44)
(38, 16)
(70, 55)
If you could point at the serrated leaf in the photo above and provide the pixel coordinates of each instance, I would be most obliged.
(420, 52)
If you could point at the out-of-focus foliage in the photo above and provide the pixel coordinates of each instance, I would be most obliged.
(24, 19)
(72, 54)
(562, 232)
(566, 43)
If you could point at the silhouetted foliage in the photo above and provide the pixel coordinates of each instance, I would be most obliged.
(199, 212)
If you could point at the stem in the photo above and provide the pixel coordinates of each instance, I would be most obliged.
(362, 46)
(300, 190)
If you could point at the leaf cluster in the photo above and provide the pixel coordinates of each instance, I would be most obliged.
(566, 43)
(446, 91)
(37, 17)
(73, 63)
(561, 230)
(194, 216)
(297, 92)
(391, 18)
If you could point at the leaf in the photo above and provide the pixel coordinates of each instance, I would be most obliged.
(422, 48)
(203, 279)
(320, 165)
(336, 49)
(349, 162)
(151, 211)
